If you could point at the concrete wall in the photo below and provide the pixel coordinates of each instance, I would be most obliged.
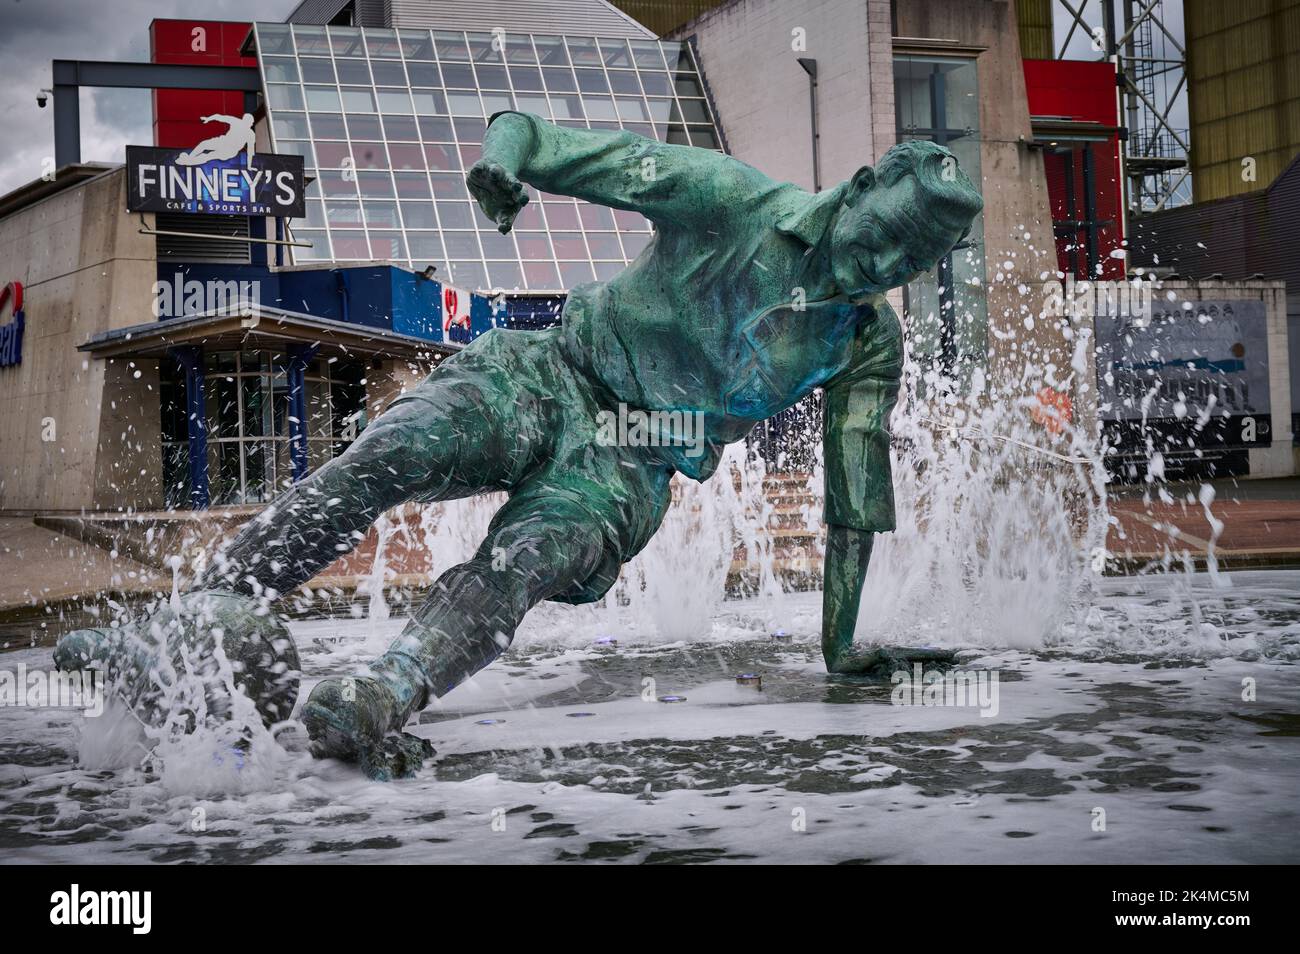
(747, 52)
(85, 269)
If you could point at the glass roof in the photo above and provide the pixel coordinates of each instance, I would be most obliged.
(388, 122)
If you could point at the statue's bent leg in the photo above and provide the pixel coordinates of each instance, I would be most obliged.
(420, 449)
(535, 549)
(453, 435)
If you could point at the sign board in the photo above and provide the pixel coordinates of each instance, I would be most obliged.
(1196, 368)
(456, 306)
(11, 334)
(221, 175)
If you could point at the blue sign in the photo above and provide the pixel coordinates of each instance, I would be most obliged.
(11, 335)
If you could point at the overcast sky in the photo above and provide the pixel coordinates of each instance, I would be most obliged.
(34, 32)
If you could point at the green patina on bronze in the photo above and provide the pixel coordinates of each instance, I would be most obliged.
(750, 295)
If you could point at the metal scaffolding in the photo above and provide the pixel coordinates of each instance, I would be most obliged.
(1150, 61)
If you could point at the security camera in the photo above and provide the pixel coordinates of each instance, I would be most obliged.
(41, 99)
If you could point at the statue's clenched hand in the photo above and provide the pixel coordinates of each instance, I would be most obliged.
(498, 191)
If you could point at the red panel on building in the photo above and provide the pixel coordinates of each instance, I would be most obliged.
(1083, 177)
(176, 112)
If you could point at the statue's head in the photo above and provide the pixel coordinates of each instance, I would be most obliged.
(900, 218)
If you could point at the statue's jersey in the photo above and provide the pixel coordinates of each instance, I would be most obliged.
(731, 310)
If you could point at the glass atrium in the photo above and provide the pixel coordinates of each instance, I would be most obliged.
(389, 121)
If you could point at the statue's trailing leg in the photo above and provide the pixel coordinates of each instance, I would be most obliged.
(438, 442)
(532, 552)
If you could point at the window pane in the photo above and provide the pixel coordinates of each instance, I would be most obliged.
(375, 185)
(464, 104)
(320, 248)
(395, 101)
(459, 75)
(364, 126)
(469, 274)
(382, 43)
(461, 244)
(423, 74)
(280, 69)
(624, 81)
(324, 98)
(451, 46)
(704, 137)
(401, 128)
(688, 86)
(316, 70)
(407, 155)
(496, 245)
(290, 126)
(388, 73)
(592, 81)
(491, 76)
(419, 215)
(694, 110)
(541, 275)
(599, 107)
(416, 44)
(387, 245)
(596, 217)
(357, 100)
(505, 275)
(380, 214)
(355, 72)
(646, 54)
(411, 185)
(526, 78)
(583, 51)
(426, 247)
(332, 155)
(575, 273)
(448, 185)
(274, 38)
(311, 41)
(550, 49)
(441, 156)
(656, 84)
(560, 81)
(282, 96)
(435, 128)
(327, 126)
(369, 155)
(343, 213)
(604, 245)
(569, 245)
(346, 42)
(456, 215)
(351, 246)
(561, 215)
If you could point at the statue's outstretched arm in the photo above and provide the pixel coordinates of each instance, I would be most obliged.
(668, 184)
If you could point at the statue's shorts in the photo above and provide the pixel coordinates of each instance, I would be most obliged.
(512, 412)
